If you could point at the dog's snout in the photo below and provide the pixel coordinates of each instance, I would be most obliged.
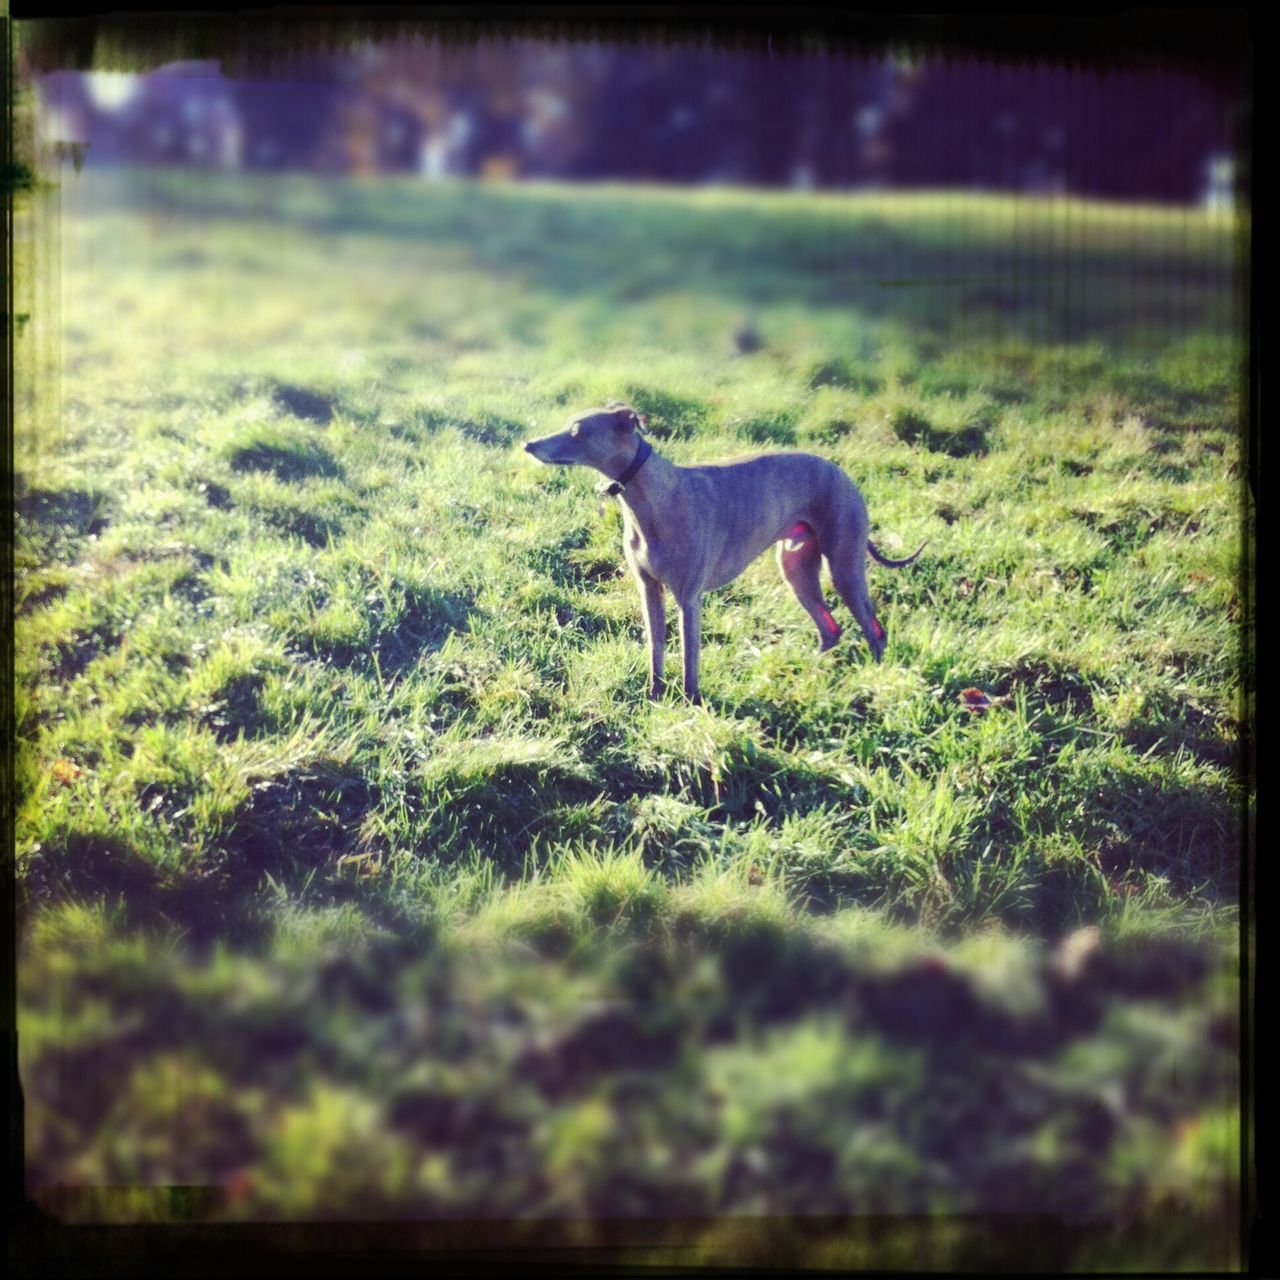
(546, 449)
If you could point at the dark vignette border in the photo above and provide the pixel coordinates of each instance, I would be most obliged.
(1216, 45)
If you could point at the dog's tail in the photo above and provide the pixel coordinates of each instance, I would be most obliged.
(894, 564)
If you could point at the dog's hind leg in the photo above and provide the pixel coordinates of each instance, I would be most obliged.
(849, 573)
(800, 559)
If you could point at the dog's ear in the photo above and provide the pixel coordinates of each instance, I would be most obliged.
(625, 418)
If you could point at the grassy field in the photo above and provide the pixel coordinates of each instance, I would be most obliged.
(357, 877)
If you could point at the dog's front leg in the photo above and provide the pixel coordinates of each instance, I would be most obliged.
(691, 644)
(655, 629)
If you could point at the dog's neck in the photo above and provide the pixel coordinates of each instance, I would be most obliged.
(649, 491)
(644, 451)
(613, 487)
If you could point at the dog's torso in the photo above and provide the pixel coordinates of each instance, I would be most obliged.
(696, 528)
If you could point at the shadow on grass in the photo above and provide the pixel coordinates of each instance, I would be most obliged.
(44, 594)
(77, 511)
(790, 724)
(502, 798)
(567, 564)
(285, 459)
(778, 430)
(302, 403)
(92, 865)
(736, 779)
(73, 656)
(926, 1051)
(847, 374)
(236, 708)
(971, 440)
(488, 429)
(62, 518)
(428, 618)
(315, 530)
(218, 496)
(770, 974)
(291, 828)
(1176, 725)
(299, 825)
(1059, 687)
(1186, 833)
(493, 429)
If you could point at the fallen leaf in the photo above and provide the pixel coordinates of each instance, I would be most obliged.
(66, 772)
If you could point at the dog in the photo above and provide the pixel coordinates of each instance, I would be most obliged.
(693, 529)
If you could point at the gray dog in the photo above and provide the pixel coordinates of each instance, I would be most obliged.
(696, 528)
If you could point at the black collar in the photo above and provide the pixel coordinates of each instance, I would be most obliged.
(615, 487)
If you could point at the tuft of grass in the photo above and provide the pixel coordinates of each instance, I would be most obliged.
(608, 887)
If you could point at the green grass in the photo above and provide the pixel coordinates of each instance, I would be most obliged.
(344, 819)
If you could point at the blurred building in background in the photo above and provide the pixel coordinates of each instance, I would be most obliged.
(667, 114)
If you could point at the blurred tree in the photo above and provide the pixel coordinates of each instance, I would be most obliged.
(682, 113)
(1121, 134)
(288, 123)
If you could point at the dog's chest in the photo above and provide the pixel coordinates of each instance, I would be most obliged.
(635, 547)
(646, 554)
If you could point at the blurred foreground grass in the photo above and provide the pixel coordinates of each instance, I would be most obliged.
(358, 878)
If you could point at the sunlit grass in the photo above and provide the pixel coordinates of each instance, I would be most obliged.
(325, 683)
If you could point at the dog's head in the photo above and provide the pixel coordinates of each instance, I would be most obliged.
(601, 438)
